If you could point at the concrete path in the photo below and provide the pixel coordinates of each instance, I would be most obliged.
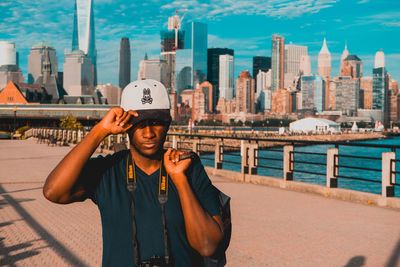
(272, 227)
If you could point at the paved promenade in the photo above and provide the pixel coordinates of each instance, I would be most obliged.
(272, 227)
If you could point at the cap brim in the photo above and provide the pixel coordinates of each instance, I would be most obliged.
(162, 115)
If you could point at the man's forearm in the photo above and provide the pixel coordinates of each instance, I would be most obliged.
(203, 231)
(59, 184)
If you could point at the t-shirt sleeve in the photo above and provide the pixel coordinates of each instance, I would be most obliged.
(92, 174)
(203, 189)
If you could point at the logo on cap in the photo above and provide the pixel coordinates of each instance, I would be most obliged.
(146, 96)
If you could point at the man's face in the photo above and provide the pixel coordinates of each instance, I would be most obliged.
(148, 137)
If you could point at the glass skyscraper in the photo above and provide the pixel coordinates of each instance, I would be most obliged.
(83, 37)
(193, 57)
(313, 93)
(379, 88)
(278, 62)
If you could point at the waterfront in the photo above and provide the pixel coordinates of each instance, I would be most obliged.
(271, 226)
(273, 166)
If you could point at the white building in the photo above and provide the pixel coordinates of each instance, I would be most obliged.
(293, 55)
(226, 76)
(8, 53)
(263, 81)
(78, 74)
(314, 125)
(156, 69)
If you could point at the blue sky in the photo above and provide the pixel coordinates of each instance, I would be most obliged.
(245, 26)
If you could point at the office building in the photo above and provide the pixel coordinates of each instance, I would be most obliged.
(293, 56)
(36, 59)
(366, 87)
(213, 69)
(344, 55)
(124, 63)
(245, 93)
(111, 93)
(78, 74)
(261, 63)
(346, 95)
(313, 93)
(153, 69)
(10, 73)
(278, 62)
(226, 77)
(352, 66)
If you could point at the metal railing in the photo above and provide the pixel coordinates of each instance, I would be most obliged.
(336, 164)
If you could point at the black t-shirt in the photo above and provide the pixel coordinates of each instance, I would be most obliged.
(107, 176)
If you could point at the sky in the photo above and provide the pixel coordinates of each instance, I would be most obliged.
(245, 26)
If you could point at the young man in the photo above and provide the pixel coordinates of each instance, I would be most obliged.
(133, 229)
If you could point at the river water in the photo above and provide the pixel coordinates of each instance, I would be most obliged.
(271, 164)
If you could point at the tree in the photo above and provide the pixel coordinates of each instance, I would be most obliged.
(70, 122)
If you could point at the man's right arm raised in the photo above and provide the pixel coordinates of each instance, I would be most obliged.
(65, 184)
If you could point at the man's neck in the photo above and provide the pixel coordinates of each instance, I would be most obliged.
(146, 164)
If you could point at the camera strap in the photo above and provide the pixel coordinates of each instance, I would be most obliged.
(131, 185)
(162, 199)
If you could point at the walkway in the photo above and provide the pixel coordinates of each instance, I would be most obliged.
(272, 227)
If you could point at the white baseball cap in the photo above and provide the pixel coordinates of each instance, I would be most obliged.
(149, 98)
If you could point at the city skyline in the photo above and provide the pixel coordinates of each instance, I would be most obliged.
(233, 25)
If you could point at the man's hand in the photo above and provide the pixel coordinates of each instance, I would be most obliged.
(176, 168)
(117, 121)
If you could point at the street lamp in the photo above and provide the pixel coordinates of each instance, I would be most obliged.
(215, 131)
(15, 118)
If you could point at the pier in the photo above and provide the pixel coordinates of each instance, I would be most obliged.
(272, 226)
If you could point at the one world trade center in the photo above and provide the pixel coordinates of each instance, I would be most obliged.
(83, 37)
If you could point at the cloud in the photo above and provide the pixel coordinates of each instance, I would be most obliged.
(272, 8)
(388, 19)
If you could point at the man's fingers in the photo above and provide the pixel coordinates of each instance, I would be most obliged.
(122, 118)
(118, 112)
(126, 120)
(133, 113)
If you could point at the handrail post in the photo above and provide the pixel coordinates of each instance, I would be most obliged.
(253, 158)
(174, 142)
(288, 164)
(244, 149)
(332, 164)
(388, 173)
(196, 143)
(219, 154)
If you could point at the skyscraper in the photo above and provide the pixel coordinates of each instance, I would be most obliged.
(278, 62)
(83, 36)
(78, 74)
(124, 63)
(305, 65)
(324, 62)
(313, 93)
(380, 86)
(352, 66)
(191, 62)
(293, 55)
(261, 63)
(153, 69)
(226, 74)
(213, 68)
(245, 93)
(347, 95)
(36, 59)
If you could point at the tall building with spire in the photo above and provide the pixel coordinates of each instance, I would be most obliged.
(344, 55)
(324, 70)
(278, 62)
(324, 62)
(124, 63)
(83, 36)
